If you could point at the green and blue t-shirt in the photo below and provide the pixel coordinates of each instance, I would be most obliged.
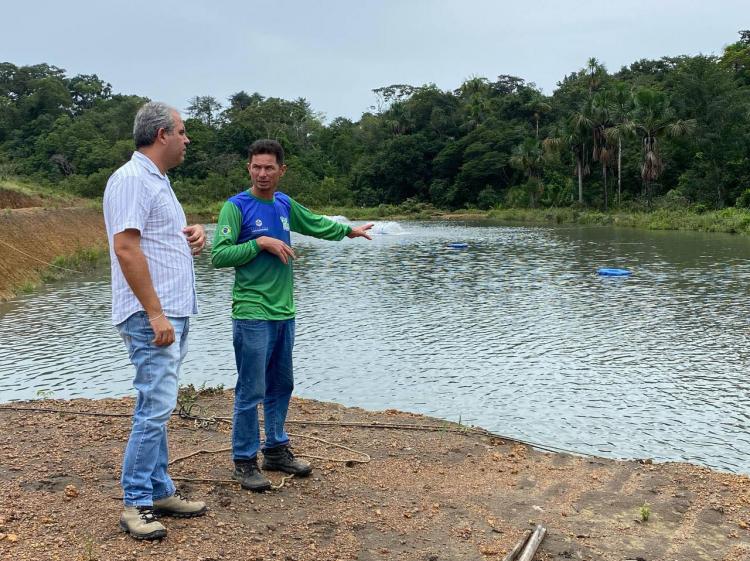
(263, 285)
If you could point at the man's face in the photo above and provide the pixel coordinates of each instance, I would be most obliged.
(265, 173)
(176, 142)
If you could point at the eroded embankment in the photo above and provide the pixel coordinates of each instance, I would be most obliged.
(32, 238)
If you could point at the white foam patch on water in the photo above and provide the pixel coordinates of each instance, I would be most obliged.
(387, 229)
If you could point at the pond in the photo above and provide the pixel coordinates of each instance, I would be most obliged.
(515, 333)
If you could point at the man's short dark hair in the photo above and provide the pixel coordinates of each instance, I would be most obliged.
(266, 146)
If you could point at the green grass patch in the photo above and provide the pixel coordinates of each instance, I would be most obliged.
(729, 220)
(81, 261)
(47, 192)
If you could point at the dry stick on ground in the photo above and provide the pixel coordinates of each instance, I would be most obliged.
(374, 425)
(284, 479)
(513, 553)
(322, 440)
(533, 544)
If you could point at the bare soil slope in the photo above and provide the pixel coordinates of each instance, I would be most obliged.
(31, 238)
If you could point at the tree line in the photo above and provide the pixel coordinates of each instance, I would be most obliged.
(670, 132)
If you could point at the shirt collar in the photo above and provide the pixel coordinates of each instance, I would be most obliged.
(147, 163)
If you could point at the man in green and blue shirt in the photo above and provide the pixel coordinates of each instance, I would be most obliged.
(253, 236)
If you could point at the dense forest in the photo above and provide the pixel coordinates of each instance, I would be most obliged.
(673, 132)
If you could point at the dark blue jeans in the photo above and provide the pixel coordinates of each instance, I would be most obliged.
(263, 351)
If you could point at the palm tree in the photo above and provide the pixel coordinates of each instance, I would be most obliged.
(596, 73)
(528, 157)
(653, 118)
(538, 107)
(573, 136)
(600, 110)
(621, 103)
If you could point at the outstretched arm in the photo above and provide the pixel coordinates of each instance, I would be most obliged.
(304, 221)
(361, 231)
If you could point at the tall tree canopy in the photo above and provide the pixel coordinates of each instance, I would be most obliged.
(676, 129)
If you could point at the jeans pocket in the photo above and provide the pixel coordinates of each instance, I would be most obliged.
(252, 333)
(135, 331)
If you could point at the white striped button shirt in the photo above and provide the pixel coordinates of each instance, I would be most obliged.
(140, 197)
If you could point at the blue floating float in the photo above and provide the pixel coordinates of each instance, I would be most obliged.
(458, 245)
(613, 272)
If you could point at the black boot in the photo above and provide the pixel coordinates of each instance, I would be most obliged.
(281, 458)
(249, 476)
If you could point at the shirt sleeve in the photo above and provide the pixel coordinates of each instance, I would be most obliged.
(130, 201)
(226, 251)
(304, 221)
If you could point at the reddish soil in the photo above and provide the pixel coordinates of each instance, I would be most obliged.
(14, 199)
(31, 238)
(425, 495)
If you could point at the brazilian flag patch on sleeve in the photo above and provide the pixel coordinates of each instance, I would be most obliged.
(226, 230)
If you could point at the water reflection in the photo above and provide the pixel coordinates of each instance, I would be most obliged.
(515, 333)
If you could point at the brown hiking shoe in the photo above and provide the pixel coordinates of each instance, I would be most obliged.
(141, 524)
(281, 458)
(179, 507)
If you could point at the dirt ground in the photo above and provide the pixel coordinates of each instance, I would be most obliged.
(428, 495)
(31, 238)
(15, 199)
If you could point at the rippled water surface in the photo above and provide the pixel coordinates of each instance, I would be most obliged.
(515, 333)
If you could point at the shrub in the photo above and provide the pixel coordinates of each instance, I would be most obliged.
(672, 200)
(743, 201)
(516, 197)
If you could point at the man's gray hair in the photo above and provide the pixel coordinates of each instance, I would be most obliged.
(151, 117)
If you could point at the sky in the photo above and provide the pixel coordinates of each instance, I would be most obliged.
(334, 53)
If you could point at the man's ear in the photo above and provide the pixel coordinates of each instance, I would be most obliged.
(161, 135)
(283, 170)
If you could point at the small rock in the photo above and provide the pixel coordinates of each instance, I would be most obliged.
(71, 491)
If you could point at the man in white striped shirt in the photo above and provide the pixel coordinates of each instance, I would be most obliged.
(153, 295)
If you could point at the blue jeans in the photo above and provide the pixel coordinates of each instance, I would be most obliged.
(157, 369)
(263, 351)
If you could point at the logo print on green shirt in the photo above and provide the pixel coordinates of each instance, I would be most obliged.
(226, 230)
